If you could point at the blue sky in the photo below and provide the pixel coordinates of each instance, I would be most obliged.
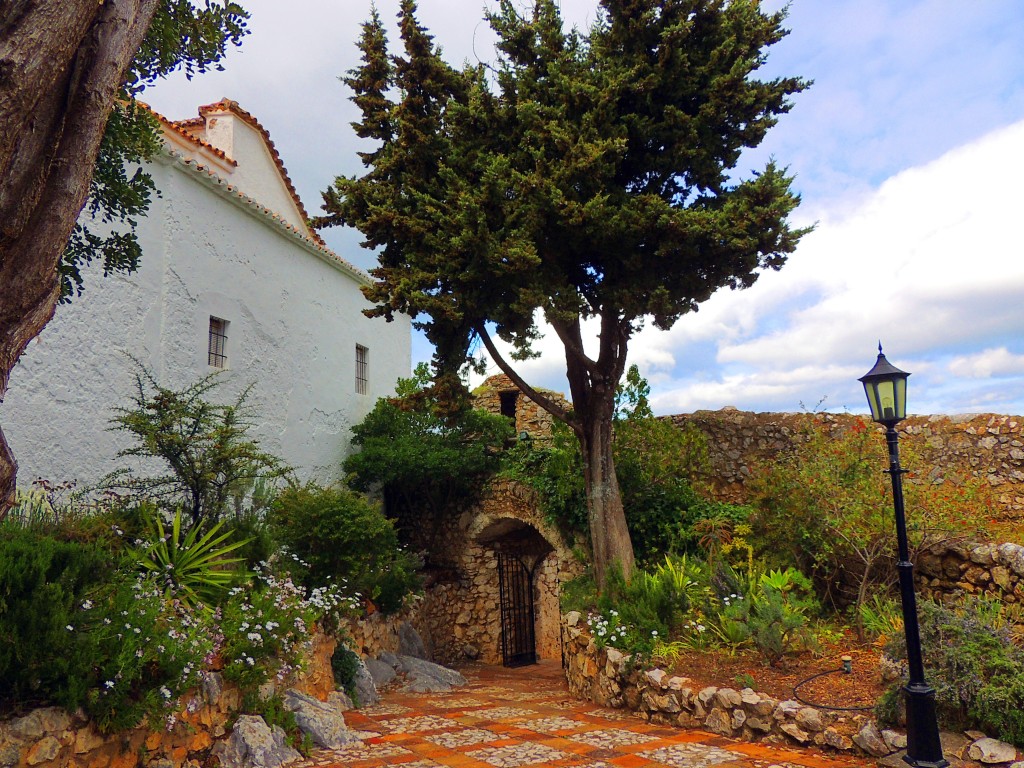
(908, 151)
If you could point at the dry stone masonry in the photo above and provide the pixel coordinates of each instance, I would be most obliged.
(986, 446)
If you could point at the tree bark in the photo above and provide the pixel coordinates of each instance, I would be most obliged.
(62, 63)
(592, 385)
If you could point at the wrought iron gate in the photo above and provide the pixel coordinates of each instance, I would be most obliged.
(515, 582)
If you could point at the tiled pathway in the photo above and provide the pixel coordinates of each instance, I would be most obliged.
(506, 718)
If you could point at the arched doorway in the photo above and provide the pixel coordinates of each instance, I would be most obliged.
(523, 602)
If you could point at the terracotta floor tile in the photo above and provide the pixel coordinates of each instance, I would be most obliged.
(525, 718)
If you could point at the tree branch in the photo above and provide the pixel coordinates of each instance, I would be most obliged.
(544, 402)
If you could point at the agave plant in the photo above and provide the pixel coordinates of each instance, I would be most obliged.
(194, 569)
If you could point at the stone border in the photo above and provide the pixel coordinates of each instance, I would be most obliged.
(52, 736)
(606, 676)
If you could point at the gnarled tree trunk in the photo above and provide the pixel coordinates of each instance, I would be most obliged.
(62, 63)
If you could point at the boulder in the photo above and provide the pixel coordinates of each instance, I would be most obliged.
(796, 732)
(365, 688)
(894, 739)
(9, 756)
(428, 677)
(809, 719)
(992, 751)
(870, 740)
(719, 721)
(381, 672)
(410, 643)
(837, 740)
(389, 658)
(253, 744)
(323, 722)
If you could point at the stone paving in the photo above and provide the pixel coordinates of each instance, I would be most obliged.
(507, 718)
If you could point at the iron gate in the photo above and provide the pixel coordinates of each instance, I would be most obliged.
(515, 582)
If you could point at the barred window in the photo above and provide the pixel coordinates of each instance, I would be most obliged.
(362, 364)
(217, 352)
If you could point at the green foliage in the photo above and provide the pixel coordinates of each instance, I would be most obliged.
(204, 446)
(145, 653)
(554, 469)
(183, 35)
(337, 536)
(977, 670)
(193, 569)
(880, 618)
(275, 713)
(420, 459)
(264, 628)
(553, 186)
(345, 666)
(43, 583)
(827, 509)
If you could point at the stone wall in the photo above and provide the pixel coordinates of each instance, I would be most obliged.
(986, 446)
(606, 677)
(53, 737)
(994, 570)
(459, 616)
(530, 417)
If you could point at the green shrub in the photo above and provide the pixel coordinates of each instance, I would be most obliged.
(275, 713)
(345, 666)
(976, 669)
(192, 568)
(336, 536)
(827, 509)
(422, 460)
(43, 585)
(208, 456)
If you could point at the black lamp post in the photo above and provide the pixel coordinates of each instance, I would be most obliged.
(886, 389)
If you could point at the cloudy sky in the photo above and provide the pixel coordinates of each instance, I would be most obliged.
(908, 151)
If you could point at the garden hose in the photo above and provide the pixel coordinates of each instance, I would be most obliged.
(847, 669)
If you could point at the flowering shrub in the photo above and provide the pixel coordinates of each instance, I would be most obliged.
(266, 628)
(147, 652)
(609, 629)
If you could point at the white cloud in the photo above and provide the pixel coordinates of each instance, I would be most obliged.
(986, 364)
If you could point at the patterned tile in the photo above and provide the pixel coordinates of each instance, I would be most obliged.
(417, 724)
(518, 754)
(503, 713)
(552, 724)
(363, 751)
(612, 714)
(691, 756)
(385, 709)
(611, 738)
(463, 738)
(456, 703)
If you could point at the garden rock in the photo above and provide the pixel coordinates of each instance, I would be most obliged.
(43, 751)
(895, 740)
(871, 741)
(719, 722)
(809, 719)
(727, 698)
(796, 732)
(389, 658)
(340, 701)
(324, 723)
(992, 751)
(837, 740)
(9, 756)
(739, 717)
(253, 744)
(39, 721)
(365, 685)
(427, 677)
(381, 672)
(410, 643)
(706, 694)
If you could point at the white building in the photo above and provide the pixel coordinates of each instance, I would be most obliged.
(231, 278)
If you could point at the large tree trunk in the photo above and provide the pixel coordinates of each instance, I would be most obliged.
(608, 532)
(62, 63)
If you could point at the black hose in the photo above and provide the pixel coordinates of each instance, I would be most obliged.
(825, 706)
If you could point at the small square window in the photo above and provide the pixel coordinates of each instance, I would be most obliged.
(217, 352)
(362, 374)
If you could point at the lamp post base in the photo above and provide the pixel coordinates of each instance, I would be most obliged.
(924, 748)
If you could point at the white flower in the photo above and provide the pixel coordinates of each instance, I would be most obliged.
(654, 633)
(87, 605)
(109, 684)
(165, 692)
(69, 628)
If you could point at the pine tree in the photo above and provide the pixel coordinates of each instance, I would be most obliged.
(588, 176)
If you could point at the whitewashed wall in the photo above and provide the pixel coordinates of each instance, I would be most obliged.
(295, 320)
